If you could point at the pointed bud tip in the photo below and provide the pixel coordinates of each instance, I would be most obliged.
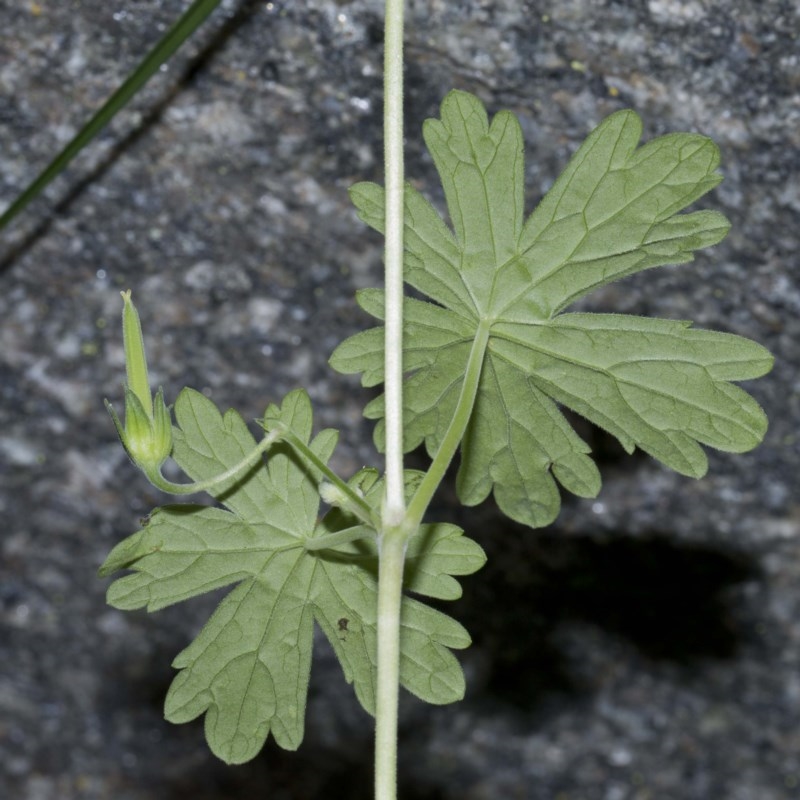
(135, 359)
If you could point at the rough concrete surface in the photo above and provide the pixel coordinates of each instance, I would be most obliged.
(645, 647)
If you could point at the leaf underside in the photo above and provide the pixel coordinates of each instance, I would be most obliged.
(659, 385)
(248, 669)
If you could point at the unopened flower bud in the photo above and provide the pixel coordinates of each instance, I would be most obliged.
(147, 433)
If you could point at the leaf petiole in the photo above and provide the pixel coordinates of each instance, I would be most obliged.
(455, 432)
(332, 540)
(347, 498)
(329, 541)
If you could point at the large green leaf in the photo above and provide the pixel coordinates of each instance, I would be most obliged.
(655, 384)
(248, 669)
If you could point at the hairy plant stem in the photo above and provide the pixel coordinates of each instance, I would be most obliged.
(394, 503)
(394, 533)
(391, 560)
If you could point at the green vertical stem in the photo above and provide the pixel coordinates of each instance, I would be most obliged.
(392, 553)
(394, 505)
(394, 534)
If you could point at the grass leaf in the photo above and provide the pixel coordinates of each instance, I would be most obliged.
(186, 25)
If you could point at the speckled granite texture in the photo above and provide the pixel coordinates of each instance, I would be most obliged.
(646, 647)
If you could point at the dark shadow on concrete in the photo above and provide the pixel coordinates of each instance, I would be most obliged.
(668, 599)
(665, 597)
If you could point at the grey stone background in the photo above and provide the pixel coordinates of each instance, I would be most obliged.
(646, 647)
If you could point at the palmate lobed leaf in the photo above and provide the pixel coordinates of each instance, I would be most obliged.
(658, 385)
(248, 669)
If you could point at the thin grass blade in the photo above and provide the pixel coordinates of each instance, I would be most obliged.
(188, 23)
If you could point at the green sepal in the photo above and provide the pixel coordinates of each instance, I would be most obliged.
(138, 427)
(117, 423)
(162, 428)
(147, 441)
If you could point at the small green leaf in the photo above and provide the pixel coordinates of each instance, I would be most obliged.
(654, 384)
(248, 669)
